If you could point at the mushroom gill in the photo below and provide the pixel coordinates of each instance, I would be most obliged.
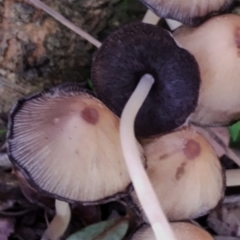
(67, 144)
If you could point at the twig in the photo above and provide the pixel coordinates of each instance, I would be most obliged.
(221, 136)
(218, 137)
(231, 199)
(66, 22)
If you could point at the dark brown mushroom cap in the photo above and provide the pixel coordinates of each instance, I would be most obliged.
(67, 144)
(138, 49)
(189, 12)
(182, 231)
(185, 174)
(216, 47)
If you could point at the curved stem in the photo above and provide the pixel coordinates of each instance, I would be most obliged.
(59, 223)
(140, 180)
(65, 22)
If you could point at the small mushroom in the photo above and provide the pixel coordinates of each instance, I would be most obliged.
(185, 173)
(216, 47)
(141, 67)
(182, 231)
(190, 12)
(67, 145)
(136, 50)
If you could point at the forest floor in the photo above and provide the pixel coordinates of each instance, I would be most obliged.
(37, 52)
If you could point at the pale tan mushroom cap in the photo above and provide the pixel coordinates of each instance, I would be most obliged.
(182, 231)
(187, 231)
(185, 173)
(186, 11)
(216, 47)
(67, 143)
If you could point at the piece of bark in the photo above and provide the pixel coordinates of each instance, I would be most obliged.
(36, 51)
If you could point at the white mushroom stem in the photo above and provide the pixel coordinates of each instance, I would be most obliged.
(150, 18)
(173, 24)
(233, 177)
(66, 22)
(140, 180)
(60, 222)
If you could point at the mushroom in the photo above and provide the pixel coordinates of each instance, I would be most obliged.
(67, 145)
(190, 12)
(59, 223)
(185, 174)
(131, 61)
(182, 231)
(216, 47)
(138, 49)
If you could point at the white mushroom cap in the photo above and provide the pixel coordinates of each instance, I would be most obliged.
(216, 47)
(67, 144)
(182, 231)
(185, 173)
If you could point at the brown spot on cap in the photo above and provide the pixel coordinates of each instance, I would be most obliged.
(180, 171)
(192, 149)
(90, 115)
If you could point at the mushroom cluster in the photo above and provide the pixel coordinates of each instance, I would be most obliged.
(136, 129)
